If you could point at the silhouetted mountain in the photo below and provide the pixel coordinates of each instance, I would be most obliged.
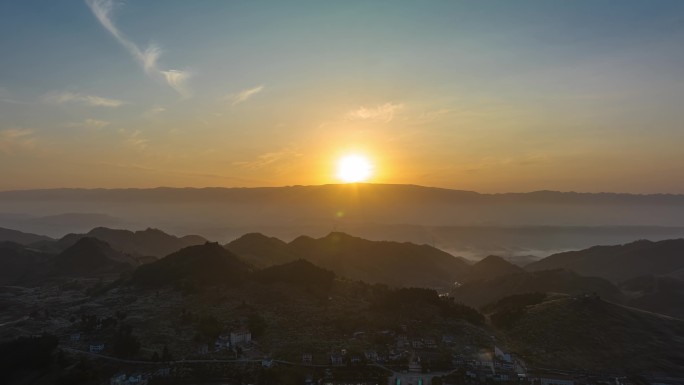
(589, 333)
(88, 257)
(18, 263)
(21, 237)
(260, 250)
(619, 263)
(392, 263)
(149, 242)
(207, 264)
(298, 273)
(660, 294)
(492, 267)
(483, 292)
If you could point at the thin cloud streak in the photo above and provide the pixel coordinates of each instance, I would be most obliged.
(92, 124)
(244, 95)
(147, 58)
(16, 139)
(75, 97)
(382, 113)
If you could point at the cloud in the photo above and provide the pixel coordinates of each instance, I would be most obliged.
(88, 100)
(244, 95)
(16, 139)
(93, 124)
(382, 113)
(270, 158)
(154, 111)
(135, 140)
(176, 79)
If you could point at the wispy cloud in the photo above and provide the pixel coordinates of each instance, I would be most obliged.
(92, 124)
(382, 113)
(244, 95)
(16, 139)
(135, 139)
(154, 111)
(75, 97)
(270, 158)
(147, 58)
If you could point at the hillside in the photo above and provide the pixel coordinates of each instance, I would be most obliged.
(260, 250)
(392, 263)
(149, 242)
(207, 264)
(590, 333)
(492, 267)
(619, 263)
(8, 235)
(90, 257)
(300, 273)
(18, 263)
(659, 294)
(480, 293)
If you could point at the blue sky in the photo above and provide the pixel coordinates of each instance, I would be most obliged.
(486, 96)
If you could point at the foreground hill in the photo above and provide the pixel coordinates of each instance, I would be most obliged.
(483, 292)
(619, 263)
(90, 257)
(590, 333)
(297, 273)
(392, 263)
(659, 294)
(18, 263)
(207, 264)
(149, 242)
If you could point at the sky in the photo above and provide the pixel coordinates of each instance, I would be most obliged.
(490, 96)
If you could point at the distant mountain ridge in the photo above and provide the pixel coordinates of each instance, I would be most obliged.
(287, 193)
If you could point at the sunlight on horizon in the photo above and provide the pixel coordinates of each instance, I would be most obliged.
(354, 168)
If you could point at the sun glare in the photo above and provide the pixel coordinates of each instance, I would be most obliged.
(354, 168)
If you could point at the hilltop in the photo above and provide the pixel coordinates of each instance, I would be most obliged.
(621, 262)
(391, 263)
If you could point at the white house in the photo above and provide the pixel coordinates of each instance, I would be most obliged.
(240, 337)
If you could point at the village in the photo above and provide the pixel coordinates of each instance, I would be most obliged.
(409, 359)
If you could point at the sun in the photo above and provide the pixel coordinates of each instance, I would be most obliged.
(354, 168)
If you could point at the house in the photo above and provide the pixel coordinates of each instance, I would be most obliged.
(307, 359)
(417, 344)
(163, 372)
(203, 349)
(371, 355)
(96, 348)
(430, 343)
(240, 337)
(355, 359)
(223, 342)
(500, 354)
(123, 379)
(402, 341)
(75, 337)
(336, 359)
